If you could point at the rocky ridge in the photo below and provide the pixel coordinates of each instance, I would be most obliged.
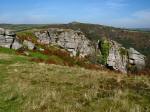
(114, 55)
(73, 41)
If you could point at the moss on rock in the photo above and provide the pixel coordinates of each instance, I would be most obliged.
(123, 51)
(104, 46)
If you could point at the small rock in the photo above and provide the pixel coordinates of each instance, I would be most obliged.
(16, 45)
(2, 31)
(41, 49)
(29, 45)
(26, 53)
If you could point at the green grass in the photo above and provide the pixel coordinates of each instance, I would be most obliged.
(9, 56)
(32, 87)
(46, 58)
(38, 55)
(7, 50)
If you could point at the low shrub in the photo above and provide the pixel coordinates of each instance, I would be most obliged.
(104, 46)
(27, 35)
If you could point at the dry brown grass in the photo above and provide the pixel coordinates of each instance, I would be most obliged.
(53, 88)
(39, 87)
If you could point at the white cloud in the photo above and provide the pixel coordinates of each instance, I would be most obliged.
(137, 19)
(115, 3)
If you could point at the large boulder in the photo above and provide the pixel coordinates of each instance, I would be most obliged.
(28, 44)
(115, 59)
(8, 39)
(16, 44)
(136, 59)
(73, 41)
(119, 58)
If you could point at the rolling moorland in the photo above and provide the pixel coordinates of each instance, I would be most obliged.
(52, 81)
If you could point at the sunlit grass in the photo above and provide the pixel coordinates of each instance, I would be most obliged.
(31, 87)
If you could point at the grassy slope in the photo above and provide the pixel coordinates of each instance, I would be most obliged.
(30, 87)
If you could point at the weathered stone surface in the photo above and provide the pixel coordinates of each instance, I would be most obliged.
(120, 58)
(115, 59)
(43, 37)
(2, 31)
(73, 41)
(29, 45)
(116, 56)
(8, 39)
(136, 58)
(16, 44)
(9, 33)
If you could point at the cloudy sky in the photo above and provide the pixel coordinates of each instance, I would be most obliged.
(119, 13)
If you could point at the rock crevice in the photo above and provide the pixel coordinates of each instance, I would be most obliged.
(8, 39)
(122, 59)
(73, 41)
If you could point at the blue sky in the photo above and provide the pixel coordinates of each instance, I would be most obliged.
(119, 13)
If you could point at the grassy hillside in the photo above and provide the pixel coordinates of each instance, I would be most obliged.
(26, 86)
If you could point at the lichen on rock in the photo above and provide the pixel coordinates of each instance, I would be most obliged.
(118, 58)
(9, 39)
(73, 41)
(136, 59)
